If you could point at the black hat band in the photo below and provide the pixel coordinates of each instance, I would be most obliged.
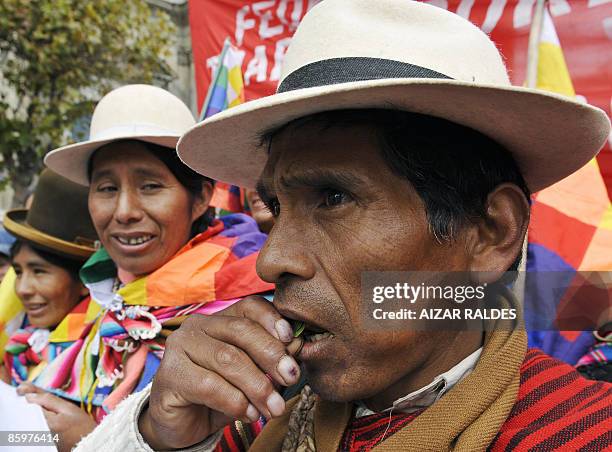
(352, 69)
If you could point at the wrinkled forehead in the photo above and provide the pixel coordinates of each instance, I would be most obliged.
(315, 147)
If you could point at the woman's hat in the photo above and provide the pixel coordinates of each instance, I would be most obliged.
(405, 55)
(132, 112)
(58, 220)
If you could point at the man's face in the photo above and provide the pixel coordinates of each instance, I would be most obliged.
(341, 211)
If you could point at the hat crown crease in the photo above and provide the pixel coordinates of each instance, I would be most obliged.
(132, 106)
(397, 30)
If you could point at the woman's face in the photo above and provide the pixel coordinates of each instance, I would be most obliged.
(261, 214)
(142, 214)
(48, 292)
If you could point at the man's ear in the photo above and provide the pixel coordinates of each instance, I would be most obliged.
(201, 201)
(497, 238)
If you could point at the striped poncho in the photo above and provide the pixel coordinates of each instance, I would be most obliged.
(555, 409)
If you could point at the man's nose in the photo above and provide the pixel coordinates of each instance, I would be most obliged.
(285, 254)
(128, 208)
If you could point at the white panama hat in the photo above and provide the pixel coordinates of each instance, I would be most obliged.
(405, 55)
(131, 112)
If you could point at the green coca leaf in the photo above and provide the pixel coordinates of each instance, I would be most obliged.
(298, 327)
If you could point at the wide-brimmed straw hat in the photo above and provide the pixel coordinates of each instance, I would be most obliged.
(406, 55)
(58, 221)
(132, 112)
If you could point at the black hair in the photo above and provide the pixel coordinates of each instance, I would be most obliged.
(453, 168)
(188, 178)
(72, 266)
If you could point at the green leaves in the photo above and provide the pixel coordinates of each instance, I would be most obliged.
(57, 58)
(298, 327)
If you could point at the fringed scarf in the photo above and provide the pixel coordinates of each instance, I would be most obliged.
(120, 352)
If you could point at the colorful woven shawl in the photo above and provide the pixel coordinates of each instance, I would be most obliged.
(598, 354)
(120, 352)
(29, 350)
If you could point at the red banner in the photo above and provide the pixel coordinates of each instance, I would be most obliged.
(263, 30)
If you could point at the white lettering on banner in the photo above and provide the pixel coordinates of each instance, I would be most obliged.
(258, 7)
(258, 66)
(243, 24)
(296, 15)
(494, 13)
(559, 7)
(279, 54)
(522, 13)
(265, 31)
(465, 8)
(263, 16)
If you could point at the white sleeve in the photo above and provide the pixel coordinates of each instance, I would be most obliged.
(118, 432)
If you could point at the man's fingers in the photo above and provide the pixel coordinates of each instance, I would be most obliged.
(205, 388)
(237, 368)
(262, 311)
(218, 368)
(251, 343)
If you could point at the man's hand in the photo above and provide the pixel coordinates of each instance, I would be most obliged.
(64, 418)
(219, 368)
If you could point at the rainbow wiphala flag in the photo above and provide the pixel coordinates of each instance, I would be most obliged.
(571, 221)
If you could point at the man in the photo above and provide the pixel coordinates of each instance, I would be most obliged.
(395, 143)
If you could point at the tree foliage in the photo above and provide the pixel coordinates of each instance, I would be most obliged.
(57, 58)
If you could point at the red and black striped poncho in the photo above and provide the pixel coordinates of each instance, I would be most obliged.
(556, 409)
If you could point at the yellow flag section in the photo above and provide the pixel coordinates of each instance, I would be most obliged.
(552, 70)
(571, 220)
(11, 310)
(235, 83)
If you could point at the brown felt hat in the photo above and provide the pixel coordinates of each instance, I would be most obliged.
(58, 220)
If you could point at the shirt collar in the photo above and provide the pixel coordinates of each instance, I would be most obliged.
(427, 395)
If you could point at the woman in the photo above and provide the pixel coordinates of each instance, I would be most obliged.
(54, 238)
(163, 256)
(260, 213)
(46, 257)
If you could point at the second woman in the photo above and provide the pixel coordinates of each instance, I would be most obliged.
(164, 257)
